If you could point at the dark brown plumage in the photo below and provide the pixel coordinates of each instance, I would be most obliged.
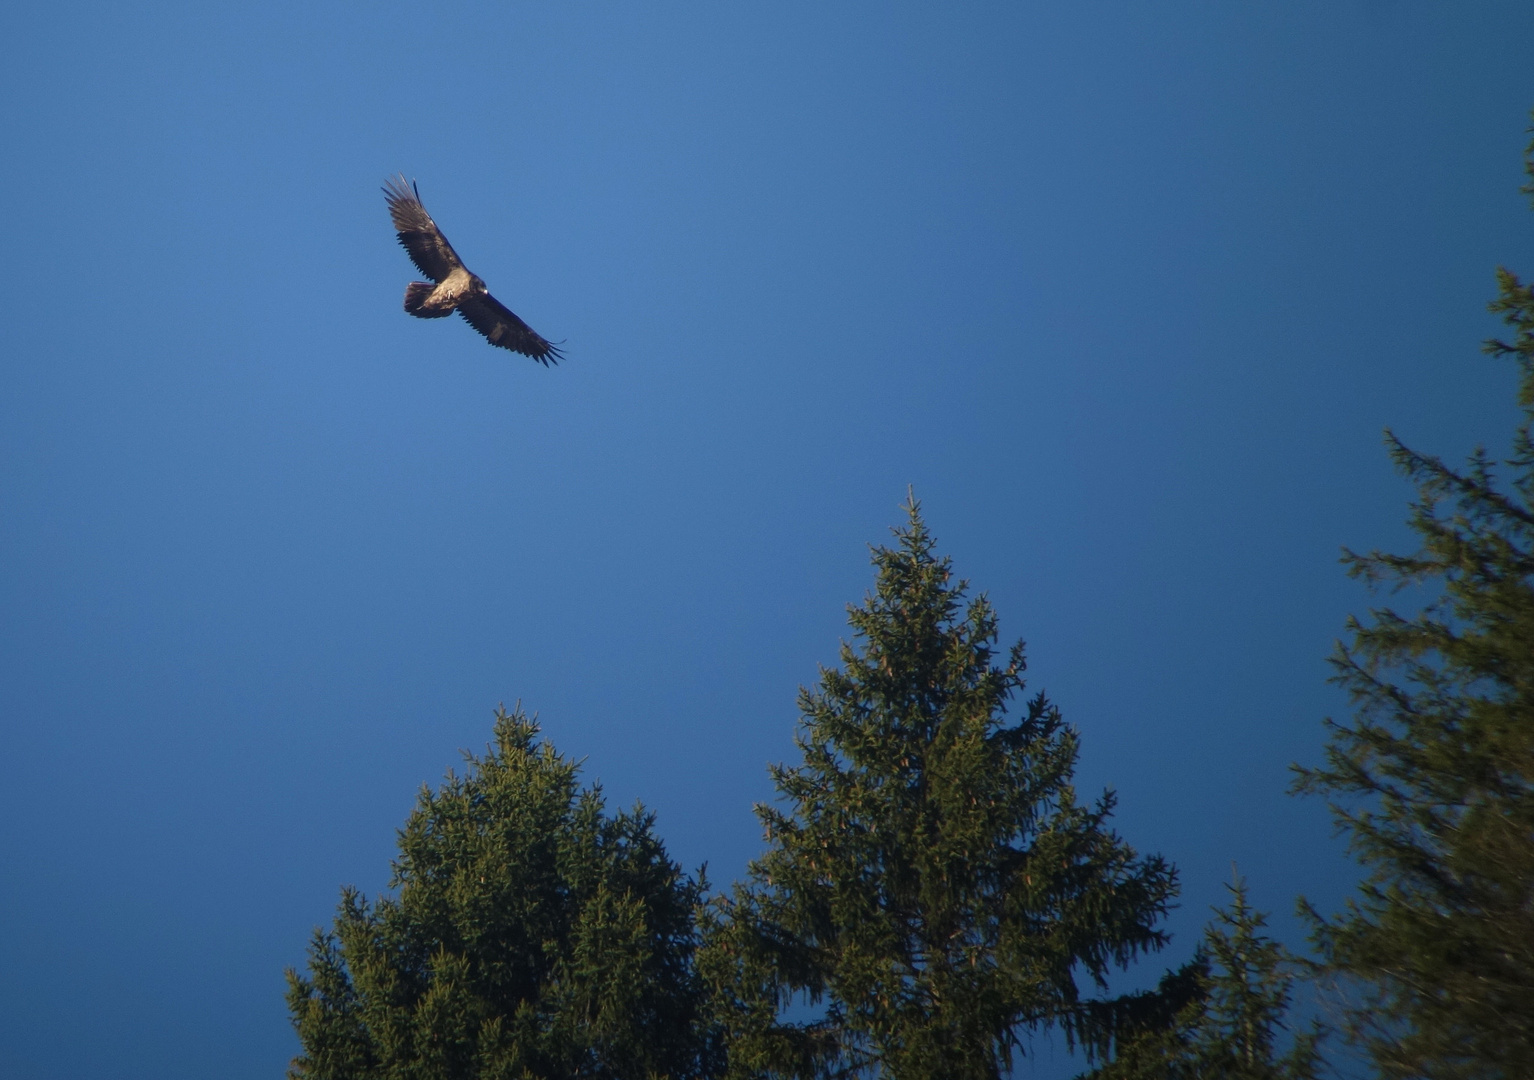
(455, 288)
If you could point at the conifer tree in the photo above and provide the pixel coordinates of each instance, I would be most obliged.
(531, 935)
(1250, 992)
(1232, 1029)
(1433, 781)
(931, 881)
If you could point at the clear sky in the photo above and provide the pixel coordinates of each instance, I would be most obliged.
(1126, 291)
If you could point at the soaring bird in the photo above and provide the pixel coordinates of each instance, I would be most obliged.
(455, 287)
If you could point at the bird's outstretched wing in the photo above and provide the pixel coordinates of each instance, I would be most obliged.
(502, 327)
(418, 233)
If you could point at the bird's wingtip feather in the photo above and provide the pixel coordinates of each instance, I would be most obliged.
(398, 189)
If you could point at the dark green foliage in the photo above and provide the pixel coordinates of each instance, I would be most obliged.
(1231, 1029)
(1251, 988)
(532, 935)
(932, 879)
(1433, 782)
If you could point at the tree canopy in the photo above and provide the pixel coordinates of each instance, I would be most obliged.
(932, 880)
(532, 934)
(1235, 1026)
(1433, 780)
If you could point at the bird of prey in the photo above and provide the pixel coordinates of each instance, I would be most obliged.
(455, 287)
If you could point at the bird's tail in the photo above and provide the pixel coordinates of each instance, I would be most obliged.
(415, 300)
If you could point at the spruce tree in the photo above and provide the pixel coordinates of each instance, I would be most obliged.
(531, 934)
(1433, 781)
(1233, 1027)
(1249, 996)
(931, 880)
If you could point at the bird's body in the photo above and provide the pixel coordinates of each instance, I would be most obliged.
(434, 301)
(454, 288)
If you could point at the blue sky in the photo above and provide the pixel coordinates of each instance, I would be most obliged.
(1126, 292)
